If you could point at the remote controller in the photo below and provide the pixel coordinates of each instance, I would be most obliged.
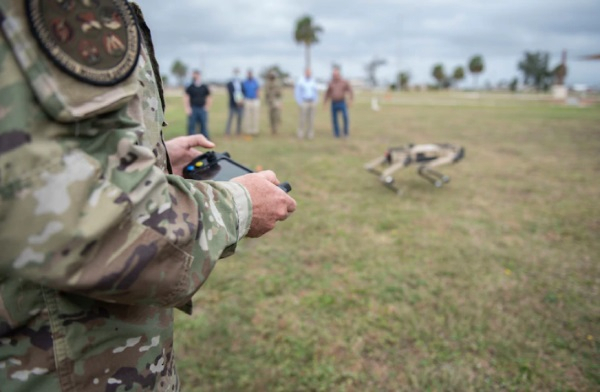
(219, 167)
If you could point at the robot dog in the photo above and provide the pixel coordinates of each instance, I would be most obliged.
(424, 156)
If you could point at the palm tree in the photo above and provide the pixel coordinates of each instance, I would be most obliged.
(458, 74)
(371, 69)
(438, 74)
(179, 69)
(403, 79)
(307, 33)
(476, 66)
(560, 72)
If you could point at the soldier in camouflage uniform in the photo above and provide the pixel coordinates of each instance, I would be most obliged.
(98, 244)
(273, 98)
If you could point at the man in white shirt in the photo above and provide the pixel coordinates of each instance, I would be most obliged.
(306, 95)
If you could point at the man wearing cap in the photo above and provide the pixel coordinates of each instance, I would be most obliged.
(273, 97)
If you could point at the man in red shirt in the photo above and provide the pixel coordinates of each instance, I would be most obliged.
(338, 92)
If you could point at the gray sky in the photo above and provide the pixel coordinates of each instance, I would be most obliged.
(218, 35)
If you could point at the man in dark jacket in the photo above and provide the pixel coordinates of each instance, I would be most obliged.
(236, 102)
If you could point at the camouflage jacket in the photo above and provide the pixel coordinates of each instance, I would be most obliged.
(98, 244)
(272, 92)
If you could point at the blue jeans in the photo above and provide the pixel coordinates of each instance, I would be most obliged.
(199, 115)
(337, 107)
(235, 111)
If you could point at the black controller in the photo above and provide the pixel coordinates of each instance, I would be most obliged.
(219, 167)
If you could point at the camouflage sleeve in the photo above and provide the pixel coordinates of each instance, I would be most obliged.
(84, 208)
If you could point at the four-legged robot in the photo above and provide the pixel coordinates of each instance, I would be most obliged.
(424, 156)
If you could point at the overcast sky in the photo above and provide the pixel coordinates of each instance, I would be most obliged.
(217, 35)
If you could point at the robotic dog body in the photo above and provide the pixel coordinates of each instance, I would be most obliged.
(425, 156)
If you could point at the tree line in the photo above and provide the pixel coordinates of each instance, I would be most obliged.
(535, 66)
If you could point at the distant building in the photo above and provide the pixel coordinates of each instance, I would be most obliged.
(591, 57)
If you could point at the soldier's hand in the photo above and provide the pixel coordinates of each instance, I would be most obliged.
(269, 203)
(182, 150)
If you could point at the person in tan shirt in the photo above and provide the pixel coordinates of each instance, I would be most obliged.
(340, 94)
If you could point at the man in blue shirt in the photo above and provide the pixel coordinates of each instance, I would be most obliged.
(251, 90)
(306, 95)
(236, 102)
(196, 102)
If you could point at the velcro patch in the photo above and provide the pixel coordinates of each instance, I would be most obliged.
(94, 41)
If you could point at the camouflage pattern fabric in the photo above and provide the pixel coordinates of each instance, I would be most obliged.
(273, 96)
(97, 244)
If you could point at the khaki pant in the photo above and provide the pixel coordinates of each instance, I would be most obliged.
(275, 116)
(307, 120)
(251, 116)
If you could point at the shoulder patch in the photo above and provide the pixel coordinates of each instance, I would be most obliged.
(95, 41)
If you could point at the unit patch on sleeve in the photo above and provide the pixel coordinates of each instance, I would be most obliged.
(95, 41)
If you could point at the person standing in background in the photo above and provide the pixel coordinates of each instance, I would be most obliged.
(251, 90)
(236, 102)
(306, 96)
(273, 98)
(196, 102)
(338, 91)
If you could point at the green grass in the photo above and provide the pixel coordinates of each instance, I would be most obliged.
(489, 284)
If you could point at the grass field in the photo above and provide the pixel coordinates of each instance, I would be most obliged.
(489, 284)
